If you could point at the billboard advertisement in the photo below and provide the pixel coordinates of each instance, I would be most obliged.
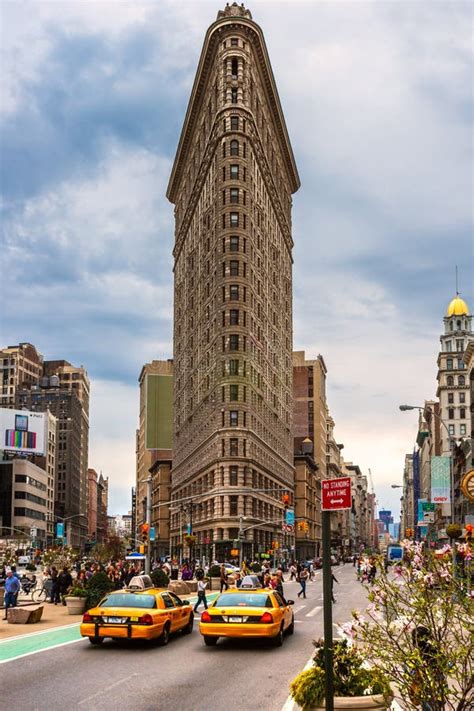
(441, 480)
(22, 431)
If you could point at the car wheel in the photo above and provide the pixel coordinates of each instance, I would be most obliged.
(189, 627)
(291, 627)
(96, 640)
(165, 636)
(210, 641)
(278, 640)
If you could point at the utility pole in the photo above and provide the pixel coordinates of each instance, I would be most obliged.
(148, 521)
(241, 540)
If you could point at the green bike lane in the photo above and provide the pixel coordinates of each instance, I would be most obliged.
(34, 642)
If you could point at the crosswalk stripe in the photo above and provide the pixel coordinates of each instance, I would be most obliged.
(299, 609)
(314, 611)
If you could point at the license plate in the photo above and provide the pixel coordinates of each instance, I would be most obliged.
(115, 620)
(235, 619)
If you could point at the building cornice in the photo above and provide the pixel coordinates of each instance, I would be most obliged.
(213, 36)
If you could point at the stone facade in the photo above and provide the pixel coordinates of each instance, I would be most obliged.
(231, 185)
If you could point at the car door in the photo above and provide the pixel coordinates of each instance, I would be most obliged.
(285, 610)
(171, 610)
(183, 610)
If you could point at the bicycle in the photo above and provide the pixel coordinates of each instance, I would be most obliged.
(42, 593)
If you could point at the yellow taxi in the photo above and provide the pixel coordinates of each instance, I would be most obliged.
(138, 614)
(248, 613)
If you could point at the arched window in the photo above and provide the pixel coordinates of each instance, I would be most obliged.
(234, 148)
(461, 380)
(235, 68)
(449, 363)
(450, 380)
(458, 324)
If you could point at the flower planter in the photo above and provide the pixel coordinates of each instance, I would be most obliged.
(363, 703)
(215, 584)
(75, 605)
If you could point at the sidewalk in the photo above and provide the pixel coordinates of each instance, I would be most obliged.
(53, 616)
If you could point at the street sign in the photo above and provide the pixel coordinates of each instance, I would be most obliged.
(336, 494)
(33, 532)
(428, 516)
(152, 533)
(290, 516)
(60, 530)
(287, 528)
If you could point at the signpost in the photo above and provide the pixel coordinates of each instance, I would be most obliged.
(336, 496)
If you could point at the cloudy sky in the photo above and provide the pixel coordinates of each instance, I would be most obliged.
(377, 98)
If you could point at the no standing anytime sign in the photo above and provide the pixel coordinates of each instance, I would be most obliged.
(336, 494)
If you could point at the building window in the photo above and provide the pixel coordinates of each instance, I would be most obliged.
(451, 429)
(460, 345)
(234, 367)
(233, 505)
(462, 429)
(234, 126)
(234, 447)
(234, 267)
(233, 342)
(449, 346)
(449, 363)
(234, 317)
(234, 42)
(233, 96)
(451, 413)
(234, 195)
(234, 244)
(234, 148)
(234, 391)
(233, 476)
(450, 380)
(462, 397)
(234, 172)
(233, 418)
(461, 380)
(234, 67)
(450, 398)
(460, 364)
(462, 413)
(234, 222)
(234, 292)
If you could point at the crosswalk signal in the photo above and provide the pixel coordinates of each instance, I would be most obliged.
(286, 500)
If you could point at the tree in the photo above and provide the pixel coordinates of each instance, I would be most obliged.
(419, 629)
(112, 549)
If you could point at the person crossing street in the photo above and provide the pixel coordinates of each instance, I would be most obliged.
(201, 593)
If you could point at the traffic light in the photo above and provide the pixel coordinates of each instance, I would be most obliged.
(144, 532)
(275, 545)
(469, 530)
(286, 500)
(409, 533)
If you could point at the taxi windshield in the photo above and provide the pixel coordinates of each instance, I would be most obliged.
(243, 600)
(129, 600)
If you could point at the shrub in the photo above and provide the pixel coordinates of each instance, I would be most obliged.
(159, 578)
(351, 677)
(30, 566)
(215, 571)
(454, 530)
(77, 591)
(97, 587)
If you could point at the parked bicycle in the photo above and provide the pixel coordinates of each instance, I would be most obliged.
(40, 594)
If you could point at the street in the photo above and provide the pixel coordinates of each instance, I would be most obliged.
(185, 674)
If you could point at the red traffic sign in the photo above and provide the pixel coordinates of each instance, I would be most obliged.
(336, 494)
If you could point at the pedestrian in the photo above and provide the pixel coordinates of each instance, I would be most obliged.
(12, 588)
(201, 593)
(303, 578)
(372, 571)
(279, 585)
(223, 578)
(293, 572)
(333, 579)
(55, 590)
(65, 583)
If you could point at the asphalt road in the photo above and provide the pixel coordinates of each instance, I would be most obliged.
(244, 675)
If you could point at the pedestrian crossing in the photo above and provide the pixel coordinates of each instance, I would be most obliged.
(312, 613)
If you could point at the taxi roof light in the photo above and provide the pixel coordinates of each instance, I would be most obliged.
(266, 618)
(205, 617)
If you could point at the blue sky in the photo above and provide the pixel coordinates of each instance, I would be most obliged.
(378, 102)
